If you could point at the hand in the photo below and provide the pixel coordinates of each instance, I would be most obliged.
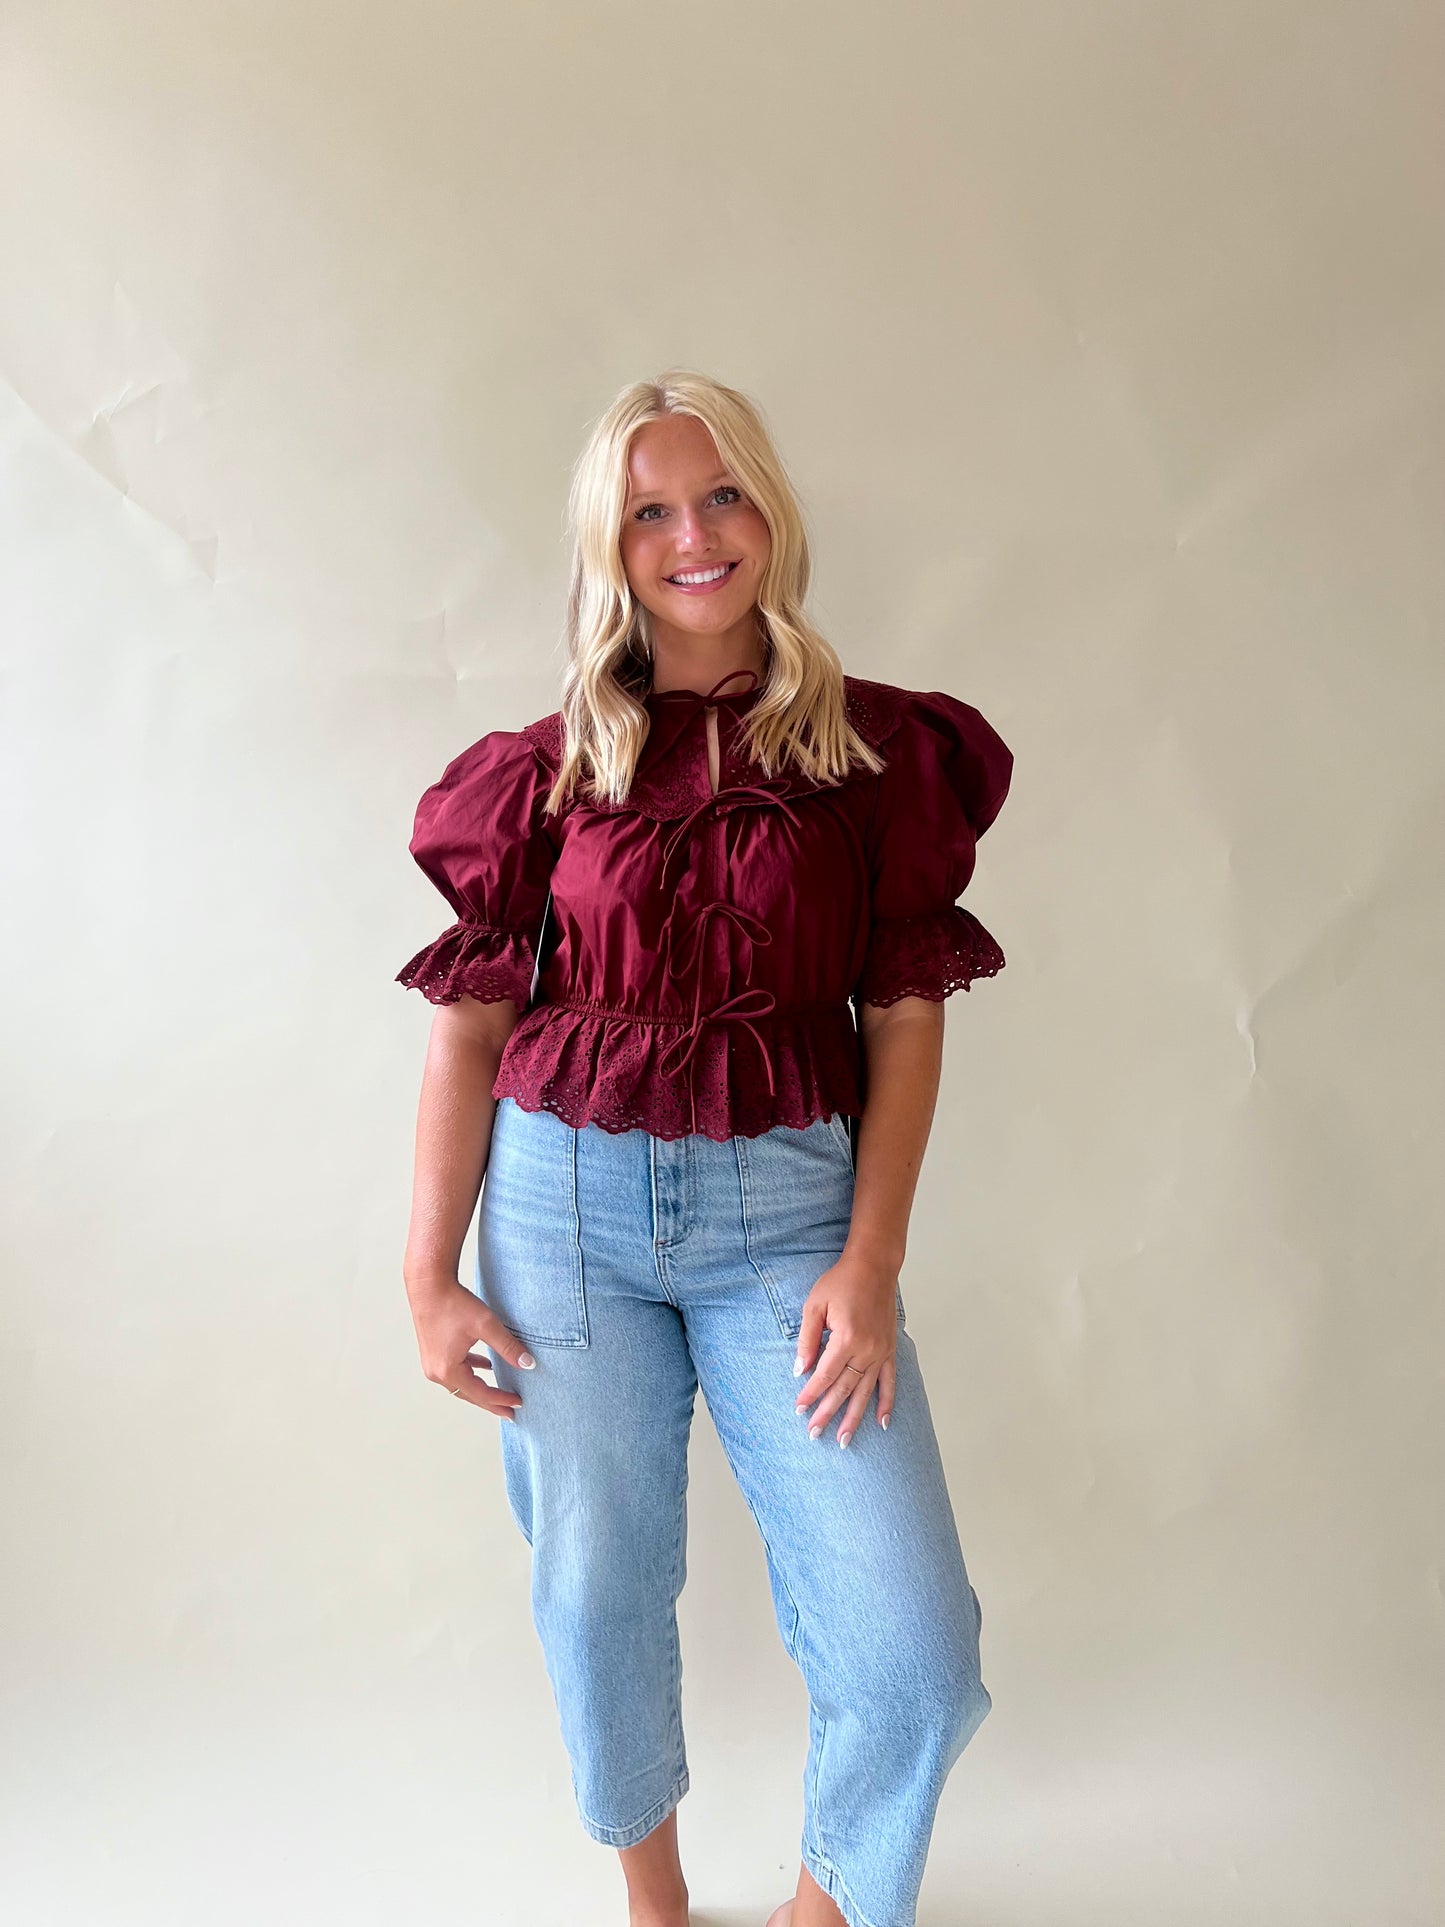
(857, 1302)
(449, 1320)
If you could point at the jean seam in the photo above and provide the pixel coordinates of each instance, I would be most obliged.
(639, 1829)
(578, 1334)
(816, 1802)
(831, 1881)
(790, 1639)
(753, 1259)
(679, 1551)
(578, 1267)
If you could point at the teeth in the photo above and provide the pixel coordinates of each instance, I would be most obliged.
(700, 575)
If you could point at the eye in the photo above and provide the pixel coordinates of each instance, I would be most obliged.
(644, 514)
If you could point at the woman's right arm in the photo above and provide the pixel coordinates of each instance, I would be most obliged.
(453, 1138)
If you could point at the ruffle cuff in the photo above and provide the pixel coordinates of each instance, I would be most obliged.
(926, 956)
(473, 960)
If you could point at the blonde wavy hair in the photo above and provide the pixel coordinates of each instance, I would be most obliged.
(799, 716)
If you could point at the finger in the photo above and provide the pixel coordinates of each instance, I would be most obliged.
(833, 1401)
(829, 1386)
(857, 1407)
(809, 1332)
(830, 1361)
(477, 1392)
(835, 1356)
(503, 1344)
(887, 1382)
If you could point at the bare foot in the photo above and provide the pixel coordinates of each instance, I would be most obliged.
(817, 1907)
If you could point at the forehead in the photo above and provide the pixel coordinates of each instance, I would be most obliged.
(676, 452)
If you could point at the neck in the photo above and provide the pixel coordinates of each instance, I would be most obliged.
(682, 661)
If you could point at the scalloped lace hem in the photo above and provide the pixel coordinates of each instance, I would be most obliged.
(927, 956)
(568, 1114)
(473, 960)
(588, 1068)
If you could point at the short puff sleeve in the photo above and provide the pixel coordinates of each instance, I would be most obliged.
(481, 837)
(947, 776)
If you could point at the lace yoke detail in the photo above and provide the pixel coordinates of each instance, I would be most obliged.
(668, 788)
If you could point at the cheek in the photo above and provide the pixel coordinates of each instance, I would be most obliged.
(638, 554)
(759, 540)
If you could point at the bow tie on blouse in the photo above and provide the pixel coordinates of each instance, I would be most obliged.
(685, 936)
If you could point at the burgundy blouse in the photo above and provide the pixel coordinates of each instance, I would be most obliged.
(709, 948)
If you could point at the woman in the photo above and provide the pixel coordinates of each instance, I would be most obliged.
(701, 1139)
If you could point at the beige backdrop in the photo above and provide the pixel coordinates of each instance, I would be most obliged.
(1102, 341)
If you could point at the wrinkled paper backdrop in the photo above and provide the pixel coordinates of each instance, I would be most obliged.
(1103, 342)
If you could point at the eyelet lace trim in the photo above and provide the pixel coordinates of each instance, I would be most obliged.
(473, 960)
(589, 1066)
(927, 956)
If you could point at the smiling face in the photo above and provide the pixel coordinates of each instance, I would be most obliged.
(693, 545)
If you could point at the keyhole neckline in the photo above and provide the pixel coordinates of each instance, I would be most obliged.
(719, 693)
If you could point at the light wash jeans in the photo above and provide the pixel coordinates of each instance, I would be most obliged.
(635, 1268)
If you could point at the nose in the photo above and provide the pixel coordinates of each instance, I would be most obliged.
(694, 533)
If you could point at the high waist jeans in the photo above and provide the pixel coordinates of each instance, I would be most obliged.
(635, 1268)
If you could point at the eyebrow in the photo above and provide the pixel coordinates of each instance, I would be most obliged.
(653, 495)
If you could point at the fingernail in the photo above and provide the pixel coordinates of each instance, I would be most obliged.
(814, 1431)
(843, 1438)
(798, 1366)
(526, 1361)
(884, 1420)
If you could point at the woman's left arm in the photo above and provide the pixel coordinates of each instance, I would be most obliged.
(946, 777)
(856, 1298)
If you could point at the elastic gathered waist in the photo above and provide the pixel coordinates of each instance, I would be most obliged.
(652, 1017)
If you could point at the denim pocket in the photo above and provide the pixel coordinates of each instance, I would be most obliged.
(529, 1244)
(797, 1192)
